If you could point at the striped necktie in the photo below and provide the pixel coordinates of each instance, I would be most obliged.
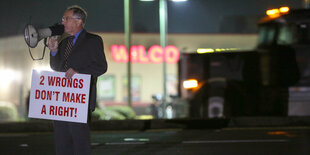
(68, 51)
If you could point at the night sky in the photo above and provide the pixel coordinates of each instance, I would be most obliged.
(193, 16)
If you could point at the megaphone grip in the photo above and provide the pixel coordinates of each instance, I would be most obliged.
(57, 29)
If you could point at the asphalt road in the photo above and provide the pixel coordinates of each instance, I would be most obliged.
(226, 141)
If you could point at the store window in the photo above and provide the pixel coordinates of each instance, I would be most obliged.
(106, 88)
(135, 88)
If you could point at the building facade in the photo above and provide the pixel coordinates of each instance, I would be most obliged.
(16, 66)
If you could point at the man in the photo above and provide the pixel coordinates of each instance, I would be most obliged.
(84, 54)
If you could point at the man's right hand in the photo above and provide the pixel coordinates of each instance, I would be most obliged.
(53, 44)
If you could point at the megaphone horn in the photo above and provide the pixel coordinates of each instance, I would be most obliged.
(33, 36)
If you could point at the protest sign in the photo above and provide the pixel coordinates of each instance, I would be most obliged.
(54, 97)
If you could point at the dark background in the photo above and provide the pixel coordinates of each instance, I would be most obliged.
(193, 16)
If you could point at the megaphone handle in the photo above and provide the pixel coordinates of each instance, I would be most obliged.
(45, 45)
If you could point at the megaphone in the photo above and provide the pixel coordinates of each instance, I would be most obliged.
(33, 35)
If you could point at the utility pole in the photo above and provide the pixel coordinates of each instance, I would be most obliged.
(127, 24)
(163, 18)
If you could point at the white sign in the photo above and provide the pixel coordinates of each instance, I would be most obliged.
(54, 97)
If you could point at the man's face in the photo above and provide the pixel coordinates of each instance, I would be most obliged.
(72, 23)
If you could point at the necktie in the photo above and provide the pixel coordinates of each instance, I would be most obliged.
(68, 51)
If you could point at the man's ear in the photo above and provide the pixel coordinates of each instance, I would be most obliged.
(80, 22)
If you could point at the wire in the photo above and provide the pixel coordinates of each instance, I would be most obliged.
(35, 59)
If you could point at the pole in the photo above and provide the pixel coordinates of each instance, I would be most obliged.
(127, 24)
(163, 18)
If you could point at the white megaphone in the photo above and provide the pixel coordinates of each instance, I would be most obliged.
(33, 35)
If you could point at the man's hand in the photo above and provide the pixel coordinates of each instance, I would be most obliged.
(70, 72)
(53, 43)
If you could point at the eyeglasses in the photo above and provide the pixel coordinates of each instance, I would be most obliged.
(68, 18)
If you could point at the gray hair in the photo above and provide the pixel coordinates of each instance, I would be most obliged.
(79, 12)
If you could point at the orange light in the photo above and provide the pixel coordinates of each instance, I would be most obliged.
(191, 83)
(272, 12)
(277, 133)
(284, 9)
(281, 133)
(277, 12)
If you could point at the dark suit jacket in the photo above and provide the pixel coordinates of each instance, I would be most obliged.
(87, 57)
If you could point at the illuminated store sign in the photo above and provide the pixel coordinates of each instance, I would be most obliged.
(156, 54)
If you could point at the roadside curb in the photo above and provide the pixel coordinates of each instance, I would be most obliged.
(269, 121)
(142, 125)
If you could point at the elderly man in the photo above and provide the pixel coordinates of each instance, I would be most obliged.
(81, 52)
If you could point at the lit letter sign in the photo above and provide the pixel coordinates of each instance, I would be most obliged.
(119, 53)
(134, 53)
(156, 54)
(139, 53)
(172, 54)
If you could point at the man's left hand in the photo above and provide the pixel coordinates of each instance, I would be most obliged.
(70, 72)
